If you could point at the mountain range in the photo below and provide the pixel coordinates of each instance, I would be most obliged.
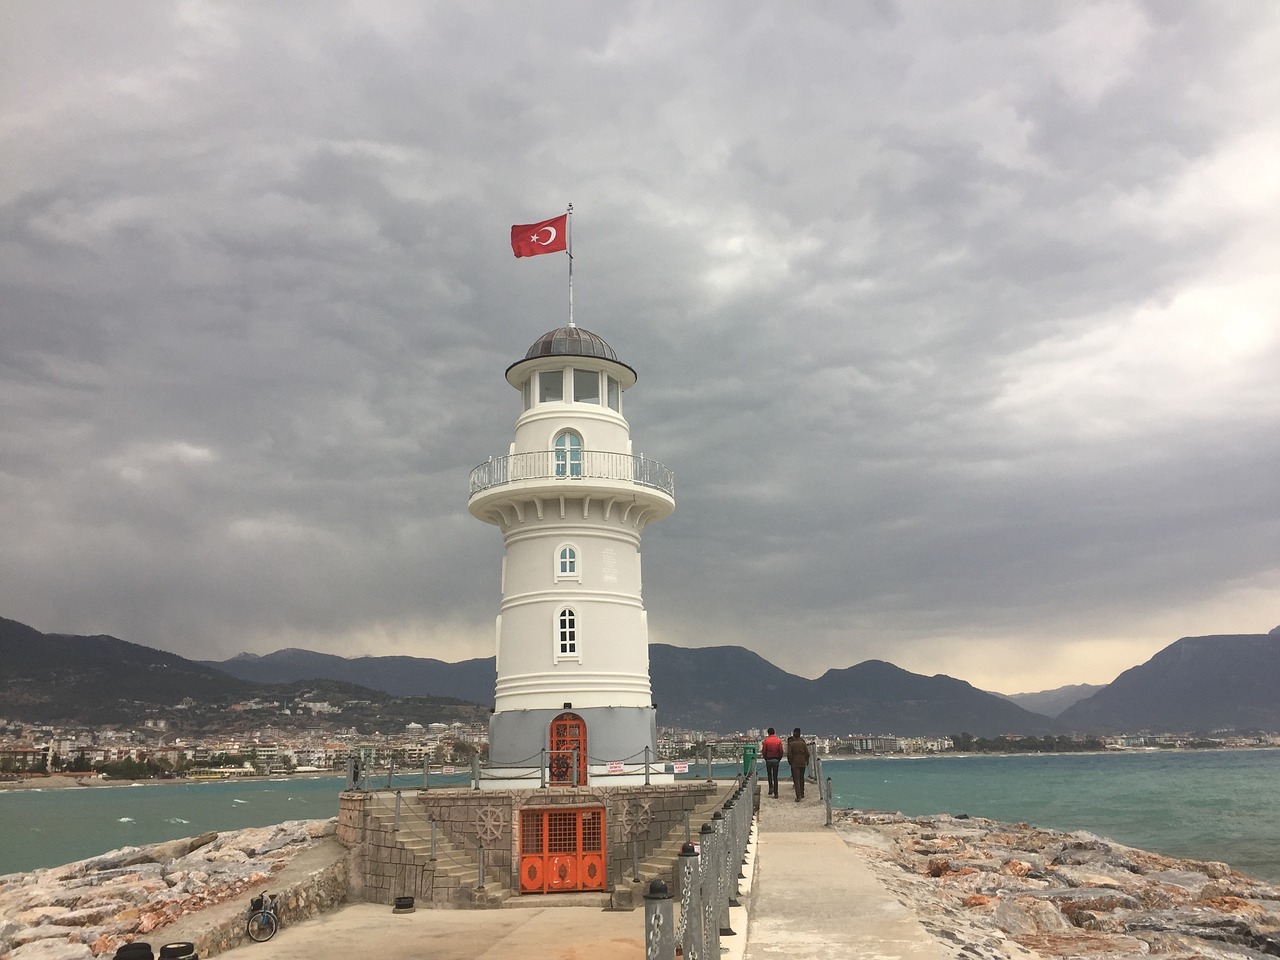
(1196, 684)
(101, 680)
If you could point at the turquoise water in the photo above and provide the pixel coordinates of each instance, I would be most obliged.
(1210, 805)
(1207, 805)
(47, 828)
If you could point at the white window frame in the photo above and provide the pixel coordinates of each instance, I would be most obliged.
(567, 458)
(558, 562)
(565, 637)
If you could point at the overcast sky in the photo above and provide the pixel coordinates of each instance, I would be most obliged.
(957, 322)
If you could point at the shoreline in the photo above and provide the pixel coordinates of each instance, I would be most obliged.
(71, 781)
(996, 890)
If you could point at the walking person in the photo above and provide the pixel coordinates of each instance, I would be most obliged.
(771, 749)
(798, 758)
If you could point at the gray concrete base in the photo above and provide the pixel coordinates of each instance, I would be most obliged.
(518, 737)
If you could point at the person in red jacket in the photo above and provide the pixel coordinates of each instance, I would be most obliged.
(772, 751)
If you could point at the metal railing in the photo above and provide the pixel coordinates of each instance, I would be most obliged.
(584, 465)
(707, 878)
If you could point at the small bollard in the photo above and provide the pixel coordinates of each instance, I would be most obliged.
(659, 932)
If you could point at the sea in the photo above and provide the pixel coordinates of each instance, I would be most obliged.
(1206, 805)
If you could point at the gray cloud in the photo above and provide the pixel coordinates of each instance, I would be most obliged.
(957, 323)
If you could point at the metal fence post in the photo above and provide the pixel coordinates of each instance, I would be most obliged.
(395, 826)
(828, 801)
(659, 935)
(646, 765)
(690, 926)
(730, 861)
(426, 769)
(433, 839)
(480, 878)
(475, 774)
(721, 833)
(707, 879)
(544, 768)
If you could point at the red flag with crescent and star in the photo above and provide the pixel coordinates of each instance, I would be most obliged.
(532, 239)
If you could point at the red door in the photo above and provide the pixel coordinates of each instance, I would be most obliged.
(562, 850)
(567, 757)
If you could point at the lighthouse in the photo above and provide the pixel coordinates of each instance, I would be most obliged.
(571, 499)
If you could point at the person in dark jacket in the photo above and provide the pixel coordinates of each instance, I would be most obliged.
(798, 758)
(772, 750)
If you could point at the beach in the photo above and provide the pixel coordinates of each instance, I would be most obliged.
(57, 781)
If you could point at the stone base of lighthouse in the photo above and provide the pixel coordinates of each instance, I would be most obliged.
(462, 847)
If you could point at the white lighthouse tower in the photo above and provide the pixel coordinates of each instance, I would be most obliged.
(572, 499)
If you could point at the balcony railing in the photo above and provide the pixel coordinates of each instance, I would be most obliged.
(580, 465)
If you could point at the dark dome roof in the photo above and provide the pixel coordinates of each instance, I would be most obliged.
(571, 342)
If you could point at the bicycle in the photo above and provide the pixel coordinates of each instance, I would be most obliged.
(263, 920)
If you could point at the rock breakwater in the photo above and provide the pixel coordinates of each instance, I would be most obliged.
(90, 907)
(996, 890)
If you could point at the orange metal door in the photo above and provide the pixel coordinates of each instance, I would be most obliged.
(562, 850)
(567, 757)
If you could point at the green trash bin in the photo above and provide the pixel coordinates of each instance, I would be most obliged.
(748, 758)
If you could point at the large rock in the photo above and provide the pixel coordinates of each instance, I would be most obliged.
(51, 950)
(106, 899)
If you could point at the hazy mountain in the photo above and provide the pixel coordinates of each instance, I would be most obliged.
(399, 676)
(1052, 702)
(1196, 684)
(720, 688)
(712, 688)
(878, 697)
(56, 678)
(729, 688)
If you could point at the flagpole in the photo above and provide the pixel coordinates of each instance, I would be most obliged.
(569, 249)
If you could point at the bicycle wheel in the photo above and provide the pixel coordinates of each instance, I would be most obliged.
(262, 926)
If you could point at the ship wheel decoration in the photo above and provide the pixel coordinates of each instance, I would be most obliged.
(490, 824)
(636, 818)
(561, 768)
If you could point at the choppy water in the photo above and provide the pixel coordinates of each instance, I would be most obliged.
(1211, 805)
(1207, 805)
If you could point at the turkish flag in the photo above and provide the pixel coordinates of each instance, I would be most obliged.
(549, 236)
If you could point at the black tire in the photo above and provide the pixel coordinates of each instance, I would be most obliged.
(134, 951)
(262, 926)
(404, 903)
(178, 950)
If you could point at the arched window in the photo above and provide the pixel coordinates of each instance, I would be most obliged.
(567, 563)
(567, 634)
(568, 455)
